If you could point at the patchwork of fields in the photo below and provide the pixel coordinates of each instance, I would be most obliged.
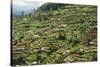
(65, 34)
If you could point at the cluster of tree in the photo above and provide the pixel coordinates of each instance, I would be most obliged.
(51, 6)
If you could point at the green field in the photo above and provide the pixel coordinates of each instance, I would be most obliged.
(61, 33)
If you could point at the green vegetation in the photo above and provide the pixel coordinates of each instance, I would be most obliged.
(55, 34)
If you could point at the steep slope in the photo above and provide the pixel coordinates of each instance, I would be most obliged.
(63, 35)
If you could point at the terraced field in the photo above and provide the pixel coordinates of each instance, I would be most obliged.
(64, 35)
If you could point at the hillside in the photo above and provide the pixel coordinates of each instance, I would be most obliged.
(55, 34)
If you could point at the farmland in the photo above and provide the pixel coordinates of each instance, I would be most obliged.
(55, 33)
